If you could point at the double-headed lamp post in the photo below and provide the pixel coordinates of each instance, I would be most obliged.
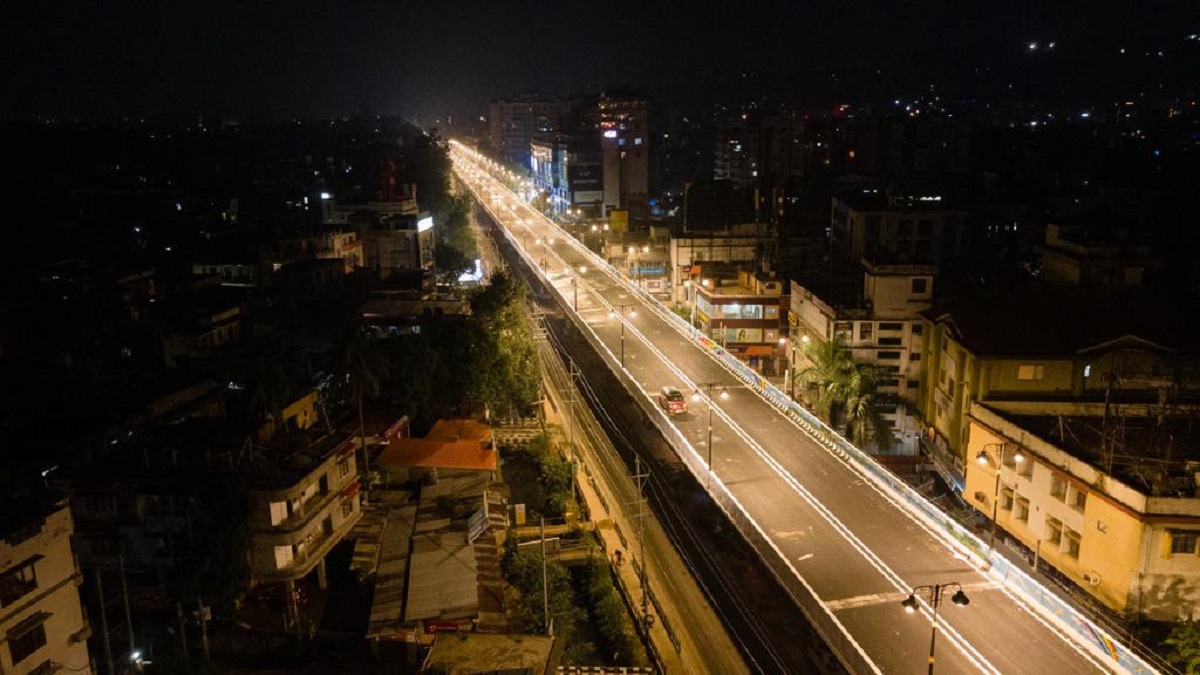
(623, 309)
(983, 458)
(709, 389)
(935, 592)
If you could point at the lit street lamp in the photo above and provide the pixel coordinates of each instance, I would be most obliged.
(623, 309)
(984, 459)
(935, 600)
(709, 388)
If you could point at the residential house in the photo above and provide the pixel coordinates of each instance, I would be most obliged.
(43, 628)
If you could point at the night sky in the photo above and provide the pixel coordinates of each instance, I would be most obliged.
(427, 58)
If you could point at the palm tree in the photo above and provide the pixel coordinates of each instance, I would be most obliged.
(864, 423)
(823, 381)
(845, 392)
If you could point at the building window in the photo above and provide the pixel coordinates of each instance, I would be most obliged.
(1071, 540)
(891, 326)
(890, 341)
(1007, 497)
(24, 645)
(1058, 488)
(865, 329)
(1021, 510)
(914, 384)
(886, 356)
(916, 329)
(283, 557)
(1078, 498)
(919, 285)
(1025, 469)
(915, 356)
(1183, 542)
(905, 227)
(1031, 372)
(1054, 530)
(279, 512)
(347, 507)
(17, 581)
(343, 467)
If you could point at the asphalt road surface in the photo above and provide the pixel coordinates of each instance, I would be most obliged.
(858, 550)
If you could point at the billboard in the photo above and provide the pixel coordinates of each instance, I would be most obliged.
(585, 176)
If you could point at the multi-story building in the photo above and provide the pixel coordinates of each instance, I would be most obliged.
(514, 123)
(1051, 351)
(298, 513)
(1110, 503)
(1078, 255)
(549, 165)
(334, 244)
(625, 145)
(201, 324)
(744, 316)
(747, 246)
(42, 625)
(399, 243)
(876, 317)
(906, 225)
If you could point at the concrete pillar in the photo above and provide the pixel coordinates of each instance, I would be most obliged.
(321, 577)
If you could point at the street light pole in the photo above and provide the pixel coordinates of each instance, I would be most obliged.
(709, 388)
(623, 309)
(935, 600)
(983, 459)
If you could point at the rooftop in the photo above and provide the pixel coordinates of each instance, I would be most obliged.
(1068, 321)
(472, 653)
(1157, 460)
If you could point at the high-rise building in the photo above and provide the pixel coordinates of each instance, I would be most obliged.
(625, 145)
(513, 124)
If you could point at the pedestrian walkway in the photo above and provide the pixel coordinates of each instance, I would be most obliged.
(676, 646)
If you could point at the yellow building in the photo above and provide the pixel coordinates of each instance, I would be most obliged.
(1119, 522)
(1060, 351)
(42, 626)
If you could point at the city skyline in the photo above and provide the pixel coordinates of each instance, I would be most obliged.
(426, 61)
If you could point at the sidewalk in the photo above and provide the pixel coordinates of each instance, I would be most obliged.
(684, 641)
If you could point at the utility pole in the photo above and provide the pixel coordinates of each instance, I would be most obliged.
(571, 421)
(545, 587)
(182, 630)
(108, 656)
(125, 596)
(203, 625)
(641, 483)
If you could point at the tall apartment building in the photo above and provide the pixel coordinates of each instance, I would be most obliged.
(513, 124)
(625, 146)
(42, 624)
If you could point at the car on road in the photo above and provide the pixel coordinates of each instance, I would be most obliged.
(672, 401)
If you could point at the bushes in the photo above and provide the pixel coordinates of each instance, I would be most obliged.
(608, 615)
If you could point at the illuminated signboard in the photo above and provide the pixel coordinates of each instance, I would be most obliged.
(425, 223)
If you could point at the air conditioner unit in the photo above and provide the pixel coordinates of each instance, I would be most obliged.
(1093, 578)
(979, 496)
